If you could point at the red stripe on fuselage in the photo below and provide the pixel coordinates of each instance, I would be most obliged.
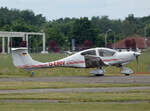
(110, 60)
(54, 64)
(33, 66)
(75, 62)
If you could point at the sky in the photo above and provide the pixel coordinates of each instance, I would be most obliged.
(55, 9)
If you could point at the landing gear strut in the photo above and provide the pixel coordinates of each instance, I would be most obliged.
(98, 72)
(126, 71)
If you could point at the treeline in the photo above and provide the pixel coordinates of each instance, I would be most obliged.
(86, 32)
(16, 20)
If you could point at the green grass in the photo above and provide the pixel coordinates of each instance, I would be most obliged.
(40, 85)
(89, 101)
(108, 101)
(8, 70)
(134, 95)
(73, 107)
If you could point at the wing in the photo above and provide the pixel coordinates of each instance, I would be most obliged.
(93, 61)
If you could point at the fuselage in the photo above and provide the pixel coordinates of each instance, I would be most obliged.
(83, 59)
(78, 60)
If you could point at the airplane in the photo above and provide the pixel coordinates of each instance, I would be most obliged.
(90, 58)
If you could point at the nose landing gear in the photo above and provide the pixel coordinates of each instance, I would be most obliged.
(126, 71)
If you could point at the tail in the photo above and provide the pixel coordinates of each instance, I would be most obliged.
(22, 59)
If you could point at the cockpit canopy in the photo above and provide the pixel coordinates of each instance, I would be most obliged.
(105, 53)
(89, 52)
(102, 52)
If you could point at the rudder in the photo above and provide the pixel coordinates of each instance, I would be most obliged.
(21, 57)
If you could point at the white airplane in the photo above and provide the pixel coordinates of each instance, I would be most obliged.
(90, 58)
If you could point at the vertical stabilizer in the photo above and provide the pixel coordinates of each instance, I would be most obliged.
(22, 59)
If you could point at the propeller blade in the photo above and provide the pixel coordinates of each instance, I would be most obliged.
(137, 59)
(137, 54)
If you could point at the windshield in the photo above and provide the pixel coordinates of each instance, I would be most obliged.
(105, 53)
(90, 52)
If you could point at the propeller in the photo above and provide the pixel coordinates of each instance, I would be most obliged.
(137, 59)
(137, 54)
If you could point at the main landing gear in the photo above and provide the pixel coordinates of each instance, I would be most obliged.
(98, 72)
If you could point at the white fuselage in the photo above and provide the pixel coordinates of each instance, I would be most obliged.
(78, 60)
(83, 59)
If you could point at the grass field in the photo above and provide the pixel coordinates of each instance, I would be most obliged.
(73, 107)
(123, 101)
(134, 100)
(127, 101)
(8, 70)
(57, 85)
(134, 95)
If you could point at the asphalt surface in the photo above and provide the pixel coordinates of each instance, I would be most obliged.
(74, 90)
(75, 79)
(67, 101)
(85, 79)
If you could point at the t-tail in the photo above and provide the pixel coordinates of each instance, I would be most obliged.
(22, 59)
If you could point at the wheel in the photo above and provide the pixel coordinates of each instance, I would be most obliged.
(98, 72)
(99, 75)
(127, 74)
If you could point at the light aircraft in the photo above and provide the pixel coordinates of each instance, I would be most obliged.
(90, 58)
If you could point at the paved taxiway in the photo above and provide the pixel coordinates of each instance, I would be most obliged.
(75, 90)
(83, 79)
(86, 79)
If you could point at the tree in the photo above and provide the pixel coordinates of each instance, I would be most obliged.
(53, 46)
(87, 44)
(55, 35)
(129, 26)
(83, 29)
(20, 26)
(62, 30)
(148, 30)
(100, 40)
(7, 28)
